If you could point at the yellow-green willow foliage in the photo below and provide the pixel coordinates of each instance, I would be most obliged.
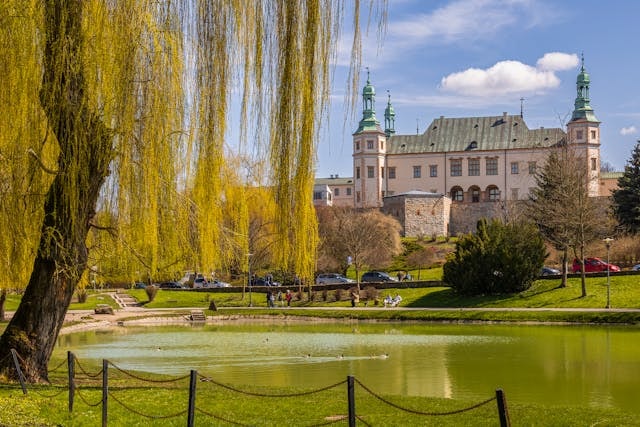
(26, 152)
(158, 78)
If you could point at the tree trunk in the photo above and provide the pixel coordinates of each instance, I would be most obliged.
(85, 153)
(3, 299)
(565, 267)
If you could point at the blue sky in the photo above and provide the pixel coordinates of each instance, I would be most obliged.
(479, 57)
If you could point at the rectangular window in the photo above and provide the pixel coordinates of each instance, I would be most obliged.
(417, 171)
(492, 166)
(382, 193)
(381, 145)
(514, 194)
(594, 164)
(357, 197)
(370, 145)
(433, 171)
(532, 168)
(474, 167)
(515, 168)
(456, 167)
(382, 171)
(336, 192)
(578, 134)
(593, 134)
(391, 172)
(371, 171)
(317, 195)
(357, 172)
(357, 145)
(348, 191)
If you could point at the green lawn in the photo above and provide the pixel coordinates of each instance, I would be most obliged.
(133, 402)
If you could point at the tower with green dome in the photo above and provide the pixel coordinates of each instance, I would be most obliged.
(369, 153)
(584, 129)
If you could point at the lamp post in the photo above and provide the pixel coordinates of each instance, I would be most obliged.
(249, 277)
(607, 243)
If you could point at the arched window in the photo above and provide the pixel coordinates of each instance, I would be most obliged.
(457, 195)
(475, 194)
(493, 192)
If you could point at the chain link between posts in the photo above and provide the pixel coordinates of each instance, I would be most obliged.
(415, 412)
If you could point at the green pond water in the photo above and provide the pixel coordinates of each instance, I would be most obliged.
(596, 366)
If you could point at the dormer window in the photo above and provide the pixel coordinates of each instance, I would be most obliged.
(472, 145)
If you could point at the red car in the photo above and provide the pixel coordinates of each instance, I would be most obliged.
(592, 265)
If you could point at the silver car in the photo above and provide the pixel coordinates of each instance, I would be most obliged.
(332, 279)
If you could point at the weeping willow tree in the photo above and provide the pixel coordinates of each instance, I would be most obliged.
(113, 131)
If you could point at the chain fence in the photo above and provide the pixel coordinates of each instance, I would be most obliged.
(195, 377)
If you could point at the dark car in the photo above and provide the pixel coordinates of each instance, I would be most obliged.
(139, 285)
(377, 276)
(548, 271)
(263, 281)
(592, 265)
(170, 285)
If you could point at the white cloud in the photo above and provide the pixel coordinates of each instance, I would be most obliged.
(509, 77)
(557, 61)
(630, 130)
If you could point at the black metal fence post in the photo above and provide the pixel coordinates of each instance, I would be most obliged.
(72, 382)
(352, 401)
(192, 398)
(16, 363)
(105, 390)
(503, 413)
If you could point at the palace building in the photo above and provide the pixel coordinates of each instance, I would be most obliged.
(458, 170)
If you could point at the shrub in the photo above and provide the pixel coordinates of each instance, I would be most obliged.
(325, 295)
(82, 295)
(497, 259)
(339, 294)
(371, 293)
(151, 291)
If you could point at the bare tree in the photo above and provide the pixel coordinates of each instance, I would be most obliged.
(562, 208)
(367, 238)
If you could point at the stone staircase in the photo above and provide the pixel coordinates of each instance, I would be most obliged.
(198, 316)
(125, 300)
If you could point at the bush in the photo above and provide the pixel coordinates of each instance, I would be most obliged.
(497, 259)
(339, 294)
(371, 293)
(325, 295)
(82, 295)
(151, 292)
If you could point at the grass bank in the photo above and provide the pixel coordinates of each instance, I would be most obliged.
(132, 403)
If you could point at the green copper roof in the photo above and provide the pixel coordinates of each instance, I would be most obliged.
(389, 118)
(582, 109)
(369, 122)
(469, 134)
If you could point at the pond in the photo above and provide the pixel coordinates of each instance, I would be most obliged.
(596, 366)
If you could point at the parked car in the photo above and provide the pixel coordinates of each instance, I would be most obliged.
(170, 285)
(377, 276)
(263, 281)
(548, 271)
(592, 265)
(200, 282)
(139, 285)
(636, 267)
(215, 283)
(331, 279)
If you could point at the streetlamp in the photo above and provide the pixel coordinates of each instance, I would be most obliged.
(249, 277)
(607, 243)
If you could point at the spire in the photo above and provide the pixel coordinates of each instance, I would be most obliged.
(369, 121)
(389, 118)
(583, 110)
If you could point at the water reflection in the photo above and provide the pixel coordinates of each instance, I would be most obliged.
(595, 366)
